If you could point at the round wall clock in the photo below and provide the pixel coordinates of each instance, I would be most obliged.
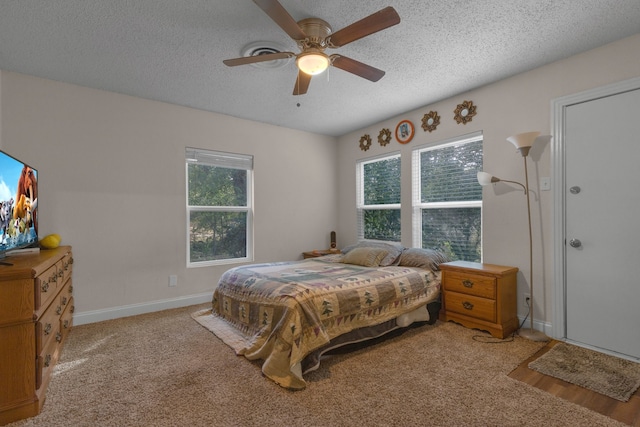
(404, 131)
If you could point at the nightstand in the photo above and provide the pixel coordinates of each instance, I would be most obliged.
(316, 253)
(481, 296)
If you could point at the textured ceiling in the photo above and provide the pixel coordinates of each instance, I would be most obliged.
(172, 51)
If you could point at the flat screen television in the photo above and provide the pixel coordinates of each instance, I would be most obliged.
(18, 205)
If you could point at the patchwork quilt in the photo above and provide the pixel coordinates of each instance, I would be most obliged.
(280, 312)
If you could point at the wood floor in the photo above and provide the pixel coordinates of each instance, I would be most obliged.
(626, 412)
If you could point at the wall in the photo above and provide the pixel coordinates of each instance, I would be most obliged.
(112, 178)
(112, 183)
(518, 104)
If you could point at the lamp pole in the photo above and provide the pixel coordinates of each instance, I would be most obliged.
(531, 334)
(523, 143)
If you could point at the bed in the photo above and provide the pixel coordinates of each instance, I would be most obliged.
(288, 314)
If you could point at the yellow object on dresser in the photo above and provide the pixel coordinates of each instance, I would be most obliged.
(36, 309)
(481, 296)
(51, 241)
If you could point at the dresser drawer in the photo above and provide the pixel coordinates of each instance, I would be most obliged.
(65, 268)
(47, 359)
(469, 305)
(46, 287)
(47, 328)
(472, 284)
(66, 320)
(64, 297)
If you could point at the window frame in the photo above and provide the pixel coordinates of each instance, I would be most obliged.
(416, 180)
(360, 206)
(224, 160)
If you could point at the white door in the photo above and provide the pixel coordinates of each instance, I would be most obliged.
(602, 223)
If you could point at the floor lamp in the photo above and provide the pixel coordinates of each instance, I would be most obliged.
(523, 143)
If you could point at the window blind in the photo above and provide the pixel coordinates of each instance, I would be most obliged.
(217, 158)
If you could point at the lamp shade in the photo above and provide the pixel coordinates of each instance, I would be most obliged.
(485, 178)
(312, 63)
(523, 141)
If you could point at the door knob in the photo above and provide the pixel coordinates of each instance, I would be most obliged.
(575, 243)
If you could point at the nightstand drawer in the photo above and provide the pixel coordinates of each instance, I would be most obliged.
(469, 305)
(472, 284)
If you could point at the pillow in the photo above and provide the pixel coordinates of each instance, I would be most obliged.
(394, 250)
(366, 257)
(422, 258)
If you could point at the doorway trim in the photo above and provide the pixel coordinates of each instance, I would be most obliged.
(559, 106)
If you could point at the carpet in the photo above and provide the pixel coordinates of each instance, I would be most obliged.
(164, 369)
(599, 372)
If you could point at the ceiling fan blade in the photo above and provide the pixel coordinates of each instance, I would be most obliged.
(302, 83)
(378, 21)
(356, 67)
(258, 58)
(281, 17)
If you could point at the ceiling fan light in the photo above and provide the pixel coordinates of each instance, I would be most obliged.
(312, 63)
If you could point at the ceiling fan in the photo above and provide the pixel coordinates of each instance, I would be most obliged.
(313, 36)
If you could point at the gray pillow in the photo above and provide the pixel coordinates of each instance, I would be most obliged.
(393, 250)
(366, 257)
(422, 258)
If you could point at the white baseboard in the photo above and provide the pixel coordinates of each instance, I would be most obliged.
(142, 308)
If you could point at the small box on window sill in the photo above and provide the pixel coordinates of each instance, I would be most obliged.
(319, 252)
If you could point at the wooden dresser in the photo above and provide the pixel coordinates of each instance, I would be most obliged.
(36, 306)
(481, 296)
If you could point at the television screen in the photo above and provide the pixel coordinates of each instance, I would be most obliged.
(18, 204)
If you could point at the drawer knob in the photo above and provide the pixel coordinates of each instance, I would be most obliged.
(467, 283)
(64, 300)
(47, 360)
(65, 324)
(58, 337)
(59, 310)
(47, 329)
(467, 305)
(44, 287)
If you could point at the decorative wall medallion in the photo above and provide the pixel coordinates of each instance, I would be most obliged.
(430, 121)
(404, 131)
(384, 137)
(464, 112)
(365, 142)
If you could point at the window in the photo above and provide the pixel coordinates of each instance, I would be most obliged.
(447, 199)
(379, 198)
(219, 207)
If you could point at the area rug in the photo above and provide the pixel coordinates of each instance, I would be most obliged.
(227, 333)
(599, 372)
